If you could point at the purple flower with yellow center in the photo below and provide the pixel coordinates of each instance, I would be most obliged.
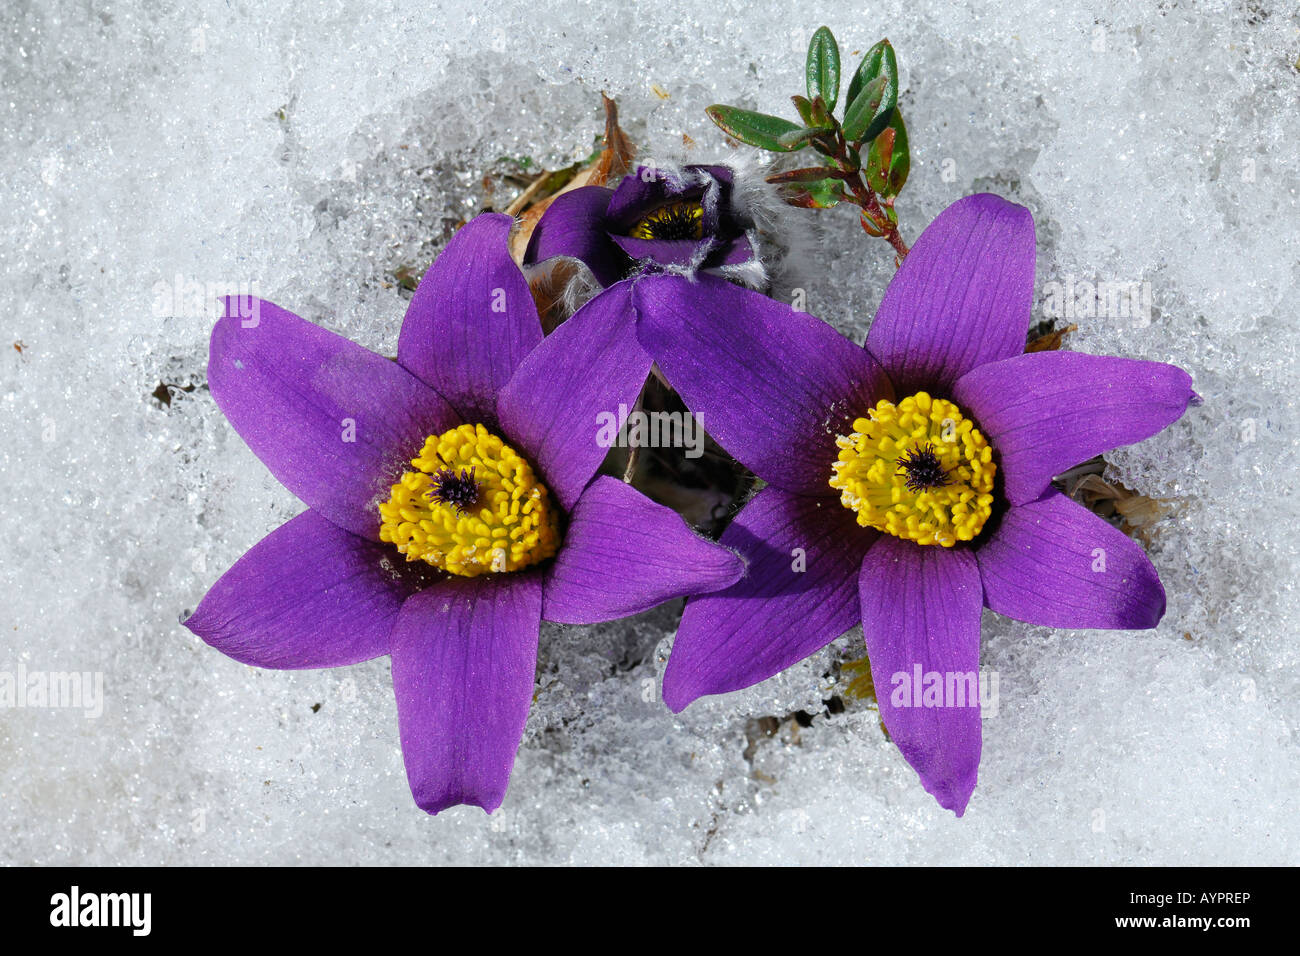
(908, 482)
(686, 218)
(451, 505)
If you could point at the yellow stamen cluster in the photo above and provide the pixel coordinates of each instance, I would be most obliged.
(681, 219)
(499, 518)
(918, 470)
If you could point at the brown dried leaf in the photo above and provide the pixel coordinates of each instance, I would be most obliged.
(616, 158)
(614, 162)
(1050, 341)
(547, 286)
(1110, 499)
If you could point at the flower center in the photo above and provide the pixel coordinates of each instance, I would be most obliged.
(681, 219)
(918, 470)
(922, 469)
(458, 489)
(472, 505)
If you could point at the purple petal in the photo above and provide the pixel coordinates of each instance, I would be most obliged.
(588, 368)
(335, 423)
(921, 618)
(777, 614)
(723, 174)
(1053, 562)
(772, 385)
(624, 554)
(719, 214)
(733, 253)
(472, 319)
(464, 666)
(1047, 411)
(309, 594)
(666, 252)
(574, 225)
(647, 188)
(962, 297)
(707, 253)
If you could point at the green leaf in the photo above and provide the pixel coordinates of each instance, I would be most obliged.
(823, 194)
(871, 227)
(888, 161)
(867, 70)
(902, 161)
(862, 113)
(805, 108)
(821, 114)
(823, 67)
(798, 138)
(873, 94)
(811, 174)
(756, 129)
(879, 159)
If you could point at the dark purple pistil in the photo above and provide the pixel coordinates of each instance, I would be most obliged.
(458, 489)
(922, 469)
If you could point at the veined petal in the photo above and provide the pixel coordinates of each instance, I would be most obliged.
(309, 594)
(921, 620)
(962, 297)
(464, 666)
(774, 386)
(624, 554)
(1053, 562)
(335, 423)
(472, 319)
(798, 594)
(570, 396)
(574, 225)
(1045, 412)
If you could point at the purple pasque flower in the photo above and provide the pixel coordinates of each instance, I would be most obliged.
(908, 481)
(686, 218)
(450, 504)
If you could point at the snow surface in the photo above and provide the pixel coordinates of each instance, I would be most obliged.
(314, 148)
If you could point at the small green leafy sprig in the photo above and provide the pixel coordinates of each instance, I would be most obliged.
(867, 152)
